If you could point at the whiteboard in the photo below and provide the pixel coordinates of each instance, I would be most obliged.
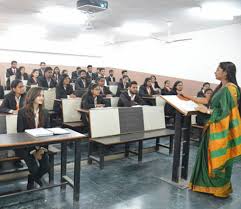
(11, 124)
(104, 122)
(113, 89)
(70, 114)
(154, 118)
(49, 97)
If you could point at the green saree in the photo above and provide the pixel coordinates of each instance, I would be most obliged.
(220, 146)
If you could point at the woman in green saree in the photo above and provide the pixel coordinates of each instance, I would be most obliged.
(221, 144)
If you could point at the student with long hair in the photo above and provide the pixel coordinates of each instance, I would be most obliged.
(15, 99)
(33, 80)
(33, 115)
(56, 74)
(90, 100)
(205, 86)
(21, 74)
(155, 84)
(167, 88)
(220, 145)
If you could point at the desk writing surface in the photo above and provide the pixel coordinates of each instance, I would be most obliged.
(70, 114)
(120, 139)
(22, 139)
(49, 97)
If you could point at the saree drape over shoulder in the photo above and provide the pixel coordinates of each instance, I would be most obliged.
(220, 146)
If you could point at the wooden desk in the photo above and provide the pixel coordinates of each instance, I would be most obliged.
(19, 140)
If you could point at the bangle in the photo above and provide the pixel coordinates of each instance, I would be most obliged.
(209, 112)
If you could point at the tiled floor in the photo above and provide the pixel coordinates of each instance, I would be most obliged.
(125, 184)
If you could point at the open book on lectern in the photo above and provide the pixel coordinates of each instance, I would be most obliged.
(181, 104)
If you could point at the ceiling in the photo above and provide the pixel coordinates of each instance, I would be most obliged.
(156, 12)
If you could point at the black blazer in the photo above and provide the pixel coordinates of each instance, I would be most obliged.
(80, 85)
(74, 76)
(63, 93)
(9, 103)
(106, 91)
(23, 123)
(144, 93)
(169, 110)
(41, 73)
(125, 100)
(91, 77)
(120, 89)
(165, 91)
(19, 76)
(88, 103)
(9, 72)
(57, 77)
(108, 79)
(200, 94)
(32, 82)
(1, 92)
(156, 85)
(43, 83)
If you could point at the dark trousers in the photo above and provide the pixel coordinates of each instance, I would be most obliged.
(37, 169)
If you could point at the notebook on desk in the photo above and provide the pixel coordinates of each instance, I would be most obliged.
(38, 132)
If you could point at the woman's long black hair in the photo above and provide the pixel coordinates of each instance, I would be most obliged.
(230, 69)
(174, 88)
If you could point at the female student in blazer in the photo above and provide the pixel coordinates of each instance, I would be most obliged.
(33, 115)
(15, 99)
(146, 90)
(56, 74)
(33, 80)
(155, 84)
(91, 99)
(176, 90)
(167, 88)
(63, 90)
(20, 74)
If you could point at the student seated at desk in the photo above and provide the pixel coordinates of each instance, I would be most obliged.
(130, 97)
(155, 84)
(11, 72)
(31, 116)
(56, 74)
(90, 100)
(122, 86)
(47, 81)
(123, 73)
(33, 80)
(20, 74)
(63, 90)
(111, 77)
(15, 99)
(104, 90)
(146, 90)
(1, 91)
(82, 82)
(75, 74)
(167, 88)
(176, 90)
(205, 86)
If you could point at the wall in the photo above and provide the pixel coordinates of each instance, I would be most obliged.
(195, 60)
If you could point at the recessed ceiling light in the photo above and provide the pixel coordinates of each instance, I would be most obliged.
(63, 15)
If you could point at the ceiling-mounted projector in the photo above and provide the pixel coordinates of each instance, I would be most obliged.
(92, 6)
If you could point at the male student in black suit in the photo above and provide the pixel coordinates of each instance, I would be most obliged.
(42, 68)
(101, 74)
(111, 77)
(13, 102)
(10, 72)
(82, 82)
(47, 81)
(124, 73)
(15, 99)
(90, 75)
(75, 74)
(130, 97)
(122, 86)
(104, 90)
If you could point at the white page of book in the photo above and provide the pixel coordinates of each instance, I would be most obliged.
(70, 106)
(183, 105)
(38, 132)
(153, 117)
(58, 130)
(104, 122)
